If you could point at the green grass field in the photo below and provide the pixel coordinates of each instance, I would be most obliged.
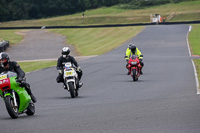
(13, 36)
(96, 41)
(185, 11)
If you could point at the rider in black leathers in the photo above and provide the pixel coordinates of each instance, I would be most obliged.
(7, 65)
(61, 63)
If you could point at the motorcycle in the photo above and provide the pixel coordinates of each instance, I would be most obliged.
(71, 79)
(134, 67)
(16, 98)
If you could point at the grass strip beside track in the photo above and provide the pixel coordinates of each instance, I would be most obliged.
(194, 40)
(36, 65)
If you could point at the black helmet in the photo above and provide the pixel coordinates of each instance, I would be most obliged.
(132, 47)
(65, 51)
(4, 59)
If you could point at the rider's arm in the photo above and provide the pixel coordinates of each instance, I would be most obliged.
(18, 70)
(59, 64)
(74, 61)
(139, 54)
(128, 52)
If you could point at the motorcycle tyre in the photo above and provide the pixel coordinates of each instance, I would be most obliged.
(8, 102)
(31, 109)
(134, 73)
(72, 89)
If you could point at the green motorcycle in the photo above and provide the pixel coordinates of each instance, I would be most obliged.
(16, 98)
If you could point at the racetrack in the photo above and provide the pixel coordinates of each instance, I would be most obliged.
(164, 99)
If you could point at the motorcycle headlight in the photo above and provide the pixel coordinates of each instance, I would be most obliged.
(134, 63)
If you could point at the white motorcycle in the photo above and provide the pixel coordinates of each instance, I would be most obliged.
(71, 79)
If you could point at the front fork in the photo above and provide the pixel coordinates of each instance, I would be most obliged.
(66, 83)
(137, 70)
(14, 98)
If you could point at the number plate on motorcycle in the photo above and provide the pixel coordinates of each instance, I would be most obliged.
(68, 73)
(3, 76)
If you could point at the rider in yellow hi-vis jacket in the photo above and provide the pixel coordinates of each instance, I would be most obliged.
(132, 49)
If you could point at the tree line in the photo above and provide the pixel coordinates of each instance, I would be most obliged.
(34, 9)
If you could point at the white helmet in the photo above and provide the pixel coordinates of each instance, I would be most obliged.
(65, 51)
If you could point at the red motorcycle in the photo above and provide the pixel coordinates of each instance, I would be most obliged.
(134, 67)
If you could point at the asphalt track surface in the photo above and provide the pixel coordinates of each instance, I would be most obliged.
(164, 100)
(38, 44)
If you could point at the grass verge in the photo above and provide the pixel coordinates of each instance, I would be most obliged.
(194, 40)
(36, 65)
(13, 36)
(197, 65)
(96, 41)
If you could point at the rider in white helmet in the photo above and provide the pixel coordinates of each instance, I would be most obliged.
(66, 57)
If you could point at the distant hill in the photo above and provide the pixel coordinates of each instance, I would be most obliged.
(121, 13)
(35, 9)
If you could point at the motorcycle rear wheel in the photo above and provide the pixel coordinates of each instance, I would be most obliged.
(134, 73)
(31, 109)
(12, 110)
(72, 89)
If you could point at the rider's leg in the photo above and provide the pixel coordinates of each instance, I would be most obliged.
(28, 89)
(59, 78)
(142, 64)
(128, 69)
(80, 73)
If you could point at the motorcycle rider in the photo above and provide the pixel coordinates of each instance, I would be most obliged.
(66, 57)
(133, 49)
(7, 65)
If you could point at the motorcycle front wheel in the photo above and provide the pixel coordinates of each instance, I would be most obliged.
(134, 73)
(12, 110)
(72, 89)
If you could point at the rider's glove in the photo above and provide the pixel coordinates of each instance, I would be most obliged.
(60, 71)
(126, 60)
(19, 79)
(78, 68)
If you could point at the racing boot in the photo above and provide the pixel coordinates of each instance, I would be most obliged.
(33, 98)
(80, 84)
(141, 72)
(65, 86)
